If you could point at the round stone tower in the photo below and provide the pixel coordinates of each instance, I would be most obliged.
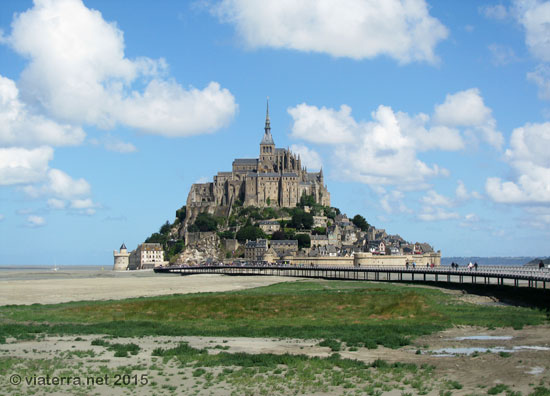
(122, 259)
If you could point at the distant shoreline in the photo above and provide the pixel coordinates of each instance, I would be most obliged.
(51, 267)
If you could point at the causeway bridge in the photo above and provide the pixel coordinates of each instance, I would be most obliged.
(489, 275)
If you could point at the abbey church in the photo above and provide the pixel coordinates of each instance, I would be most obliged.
(276, 178)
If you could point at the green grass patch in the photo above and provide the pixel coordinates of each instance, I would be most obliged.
(334, 345)
(495, 390)
(121, 350)
(356, 313)
(541, 391)
(453, 385)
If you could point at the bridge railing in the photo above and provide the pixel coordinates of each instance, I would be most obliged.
(515, 274)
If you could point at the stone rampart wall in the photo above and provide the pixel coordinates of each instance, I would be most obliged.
(368, 259)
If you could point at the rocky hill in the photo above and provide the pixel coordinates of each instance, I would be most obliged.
(317, 229)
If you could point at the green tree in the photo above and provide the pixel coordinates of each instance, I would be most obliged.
(181, 213)
(256, 215)
(319, 231)
(296, 221)
(226, 235)
(306, 200)
(304, 241)
(206, 222)
(250, 232)
(269, 213)
(360, 222)
(289, 233)
(232, 221)
(165, 228)
(278, 236)
(174, 249)
(157, 238)
(301, 220)
(329, 212)
(307, 221)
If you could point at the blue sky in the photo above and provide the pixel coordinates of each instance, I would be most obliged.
(431, 119)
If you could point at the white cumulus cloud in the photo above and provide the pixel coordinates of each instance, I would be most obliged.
(393, 202)
(386, 149)
(84, 206)
(358, 29)
(60, 185)
(530, 160)
(497, 11)
(166, 108)
(436, 214)
(55, 203)
(534, 16)
(383, 153)
(22, 166)
(35, 221)
(432, 198)
(322, 125)
(78, 72)
(309, 157)
(467, 109)
(20, 127)
(113, 143)
(541, 77)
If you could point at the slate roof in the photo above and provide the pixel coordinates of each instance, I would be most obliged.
(245, 161)
(267, 139)
(283, 242)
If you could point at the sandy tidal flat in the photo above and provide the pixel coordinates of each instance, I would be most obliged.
(64, 286)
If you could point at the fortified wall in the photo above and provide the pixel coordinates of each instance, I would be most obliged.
(368, 260)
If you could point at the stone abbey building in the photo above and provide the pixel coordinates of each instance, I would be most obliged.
(276, 178)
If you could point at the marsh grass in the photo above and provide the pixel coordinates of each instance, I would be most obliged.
(334, 345)
(499, 388)
(121, 350)
(291, 374)
(360, 314)
(541, 391)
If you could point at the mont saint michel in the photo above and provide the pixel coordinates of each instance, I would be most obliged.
(270, 209)
(276, 178)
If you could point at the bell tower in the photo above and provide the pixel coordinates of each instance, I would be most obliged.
(267, 145)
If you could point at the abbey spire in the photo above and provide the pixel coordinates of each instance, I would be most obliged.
(267, 122)
(267, 139)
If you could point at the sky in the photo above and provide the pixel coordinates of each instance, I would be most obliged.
(429, 118)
